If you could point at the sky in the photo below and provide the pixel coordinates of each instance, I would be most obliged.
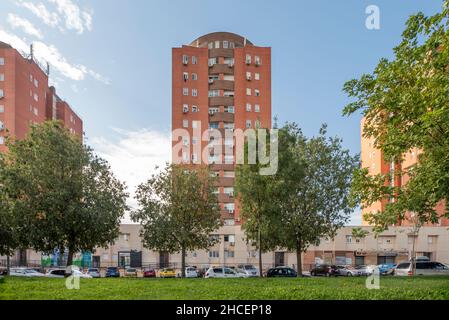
(111, 60)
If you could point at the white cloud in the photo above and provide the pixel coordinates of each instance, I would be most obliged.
(133, 155)
(53, 56)
(40, 10)
(24, 24)
(75, 18)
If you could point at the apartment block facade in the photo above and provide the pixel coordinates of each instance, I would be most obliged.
(221, 83)
(26, 97)
(374, 160)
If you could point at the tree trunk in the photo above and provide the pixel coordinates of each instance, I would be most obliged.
(183, 262)
(414, 255)
(299, 258)
(70, 257)
(259, 240)
(8, 265)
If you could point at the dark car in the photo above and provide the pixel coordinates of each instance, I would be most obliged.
(112, 272)
(324, 270)
(281, 272)
(149, 273)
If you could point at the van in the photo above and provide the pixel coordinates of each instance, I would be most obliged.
(422, 269)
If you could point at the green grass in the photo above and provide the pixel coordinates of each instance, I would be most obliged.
(392, 288)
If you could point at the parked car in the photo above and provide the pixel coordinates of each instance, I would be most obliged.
(364, 270)
(190, 273)
(324, 270)
(202, 271)
(223, 272)
(281, 272)
(79, 274)
(422, 269)
(55, 273)
(347, 271)
(131, 272)
(94, 272)
(25, 272)
(249, 270)
(149, 273)
(167, 273)
(386, 269)
(112, 272)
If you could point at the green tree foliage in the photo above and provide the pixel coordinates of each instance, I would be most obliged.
(178, 210)
(312, 188)
(406, 105)
(61, 194)
(255, 192)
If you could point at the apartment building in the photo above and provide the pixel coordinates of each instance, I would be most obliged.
(374, 160)
(221, 83)
(26, 98)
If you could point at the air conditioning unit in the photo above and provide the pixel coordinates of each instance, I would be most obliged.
(248, 78)
(211, 81)
(2, 126)
(185, 110)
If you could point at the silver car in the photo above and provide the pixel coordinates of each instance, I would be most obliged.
(25, 272)
(422, 269)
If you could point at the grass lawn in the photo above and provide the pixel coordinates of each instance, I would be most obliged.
(227, 289)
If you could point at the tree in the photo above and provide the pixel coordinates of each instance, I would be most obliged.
(178, 210)
(8, 238)
(405, 104)
(61, 194)
(256, 207)
(314, 178)
(358, 233)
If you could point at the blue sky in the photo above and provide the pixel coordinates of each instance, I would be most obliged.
(111, 60)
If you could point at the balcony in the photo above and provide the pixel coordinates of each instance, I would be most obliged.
(222, 85)
(225, 182)
(225, 53)
(225, 198)
(221, 68)
(221, 101)
(221, 117)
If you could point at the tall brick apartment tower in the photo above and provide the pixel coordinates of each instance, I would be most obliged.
(373, 159)
(26, 98)
(220, 81)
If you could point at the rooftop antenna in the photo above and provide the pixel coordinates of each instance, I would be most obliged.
(244, 42)
(48, 69)
(31, 51)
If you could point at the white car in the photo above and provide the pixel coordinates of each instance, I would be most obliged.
(223, 272)
(25, 272)
(190, 273)
(55, 273)
(77, 273)
(422, 269)
(249, 270)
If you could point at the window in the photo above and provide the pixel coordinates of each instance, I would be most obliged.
(185, 157)
(185, 76)
(248, 124)
(229, 109)
(229, 191)
(2, 93)
(185, 141)
(232, 45)
(2, 61)
(214, 93)
(229, 126)
(217, 44)
(185, 108)
(2, 140)
(185, 91)
(257, 60)
(248, 91)
(228, 94)
(229, 62)
(229, 174)
(213, 110)
(248, 59)
(212, 62)
(349, 239)
(2, 77)
(36, 112)
(124, 237)
(194, 109)
(214, 254)
(36, 83)
(229, 254)
(195, 124)
(257, 124)
(257, 92)
(2, 108)
(248, 76)
(185, 59)
(229, 222)
(36, 97)
(194, 158)
(229, 238)
(257, 108)
(194, 141)
(210, 45)
(213, 125)
(194, 60)
(257, 76)
(248, 107)
(185, 123)
(194, 76)
(194, 93)
(225, 44)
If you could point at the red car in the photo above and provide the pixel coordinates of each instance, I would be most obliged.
(149, 273)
